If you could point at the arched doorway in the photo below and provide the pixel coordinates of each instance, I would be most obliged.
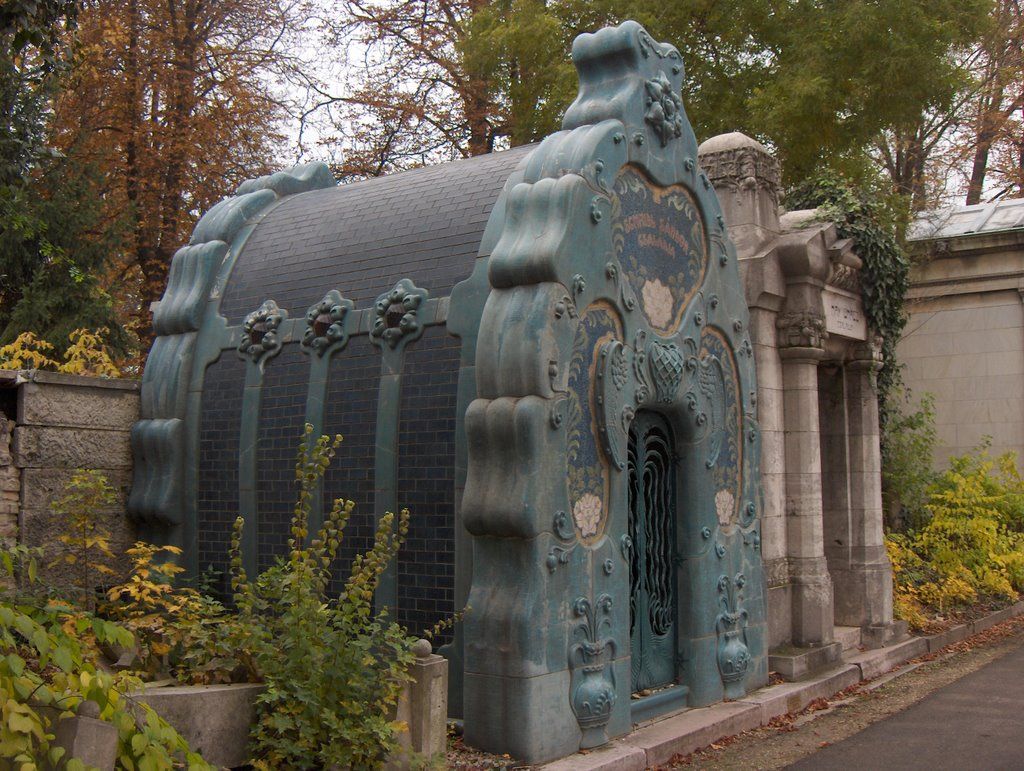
(653, 614)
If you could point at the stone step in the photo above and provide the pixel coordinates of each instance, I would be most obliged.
(849, 636)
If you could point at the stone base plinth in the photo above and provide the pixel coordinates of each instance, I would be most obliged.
(881, 635)
(793, 663)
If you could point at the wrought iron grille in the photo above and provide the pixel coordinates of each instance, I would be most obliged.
(652, 513)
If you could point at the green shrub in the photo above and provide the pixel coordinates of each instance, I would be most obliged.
(971, 543)
(908, 447)
(86, 554)
(49, 666)
(333, 668)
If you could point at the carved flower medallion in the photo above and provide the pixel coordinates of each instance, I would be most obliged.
(397, 314)
(724, 505)
(664, 109)
(325, 323)
(658, 302)
(586, 513)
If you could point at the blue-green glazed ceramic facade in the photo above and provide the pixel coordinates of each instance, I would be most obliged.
(544, 354)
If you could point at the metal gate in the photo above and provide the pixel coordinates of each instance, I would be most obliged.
(652, 514)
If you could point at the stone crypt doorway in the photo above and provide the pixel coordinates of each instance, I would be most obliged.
(653, 602)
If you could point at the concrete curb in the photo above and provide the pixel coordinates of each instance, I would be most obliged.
(657, 741)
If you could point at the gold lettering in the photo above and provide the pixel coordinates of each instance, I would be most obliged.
(638, 221)
(657, 242)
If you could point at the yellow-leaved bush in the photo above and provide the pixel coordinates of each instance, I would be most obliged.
(971, 544)
(87, 354)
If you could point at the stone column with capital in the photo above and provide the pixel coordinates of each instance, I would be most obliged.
(863, 586)
(801, 341)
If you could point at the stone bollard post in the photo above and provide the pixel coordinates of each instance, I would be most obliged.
(423, 707)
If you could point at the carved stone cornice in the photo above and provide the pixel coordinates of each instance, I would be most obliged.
(844, 277)
(743, 169)
(867, 354)
(801, 329)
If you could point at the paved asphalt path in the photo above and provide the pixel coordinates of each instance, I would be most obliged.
(974, 724)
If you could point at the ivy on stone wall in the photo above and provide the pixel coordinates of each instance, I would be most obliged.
(873, 222)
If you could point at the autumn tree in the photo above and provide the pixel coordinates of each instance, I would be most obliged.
(50, 253)
(406, 98)
(32, 51)
(998, 114)
(175, 102)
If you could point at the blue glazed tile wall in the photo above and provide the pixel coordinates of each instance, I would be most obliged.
(217, 480)
(281, 422)
(426, 480)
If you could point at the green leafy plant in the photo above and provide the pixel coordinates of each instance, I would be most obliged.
(179, 631)
(49, 668)
(970, 546)
(872, 220)
(333, 668)
(907, 454)
(86, 542)
(147, 603)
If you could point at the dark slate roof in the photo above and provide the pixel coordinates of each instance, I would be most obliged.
(966, 220)
(425, 225)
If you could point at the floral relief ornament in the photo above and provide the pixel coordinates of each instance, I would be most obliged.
(260, 336)
(586, 513)
(325, 322)
(664, 109)
(724, 505)
(397, 314)
(658, 302)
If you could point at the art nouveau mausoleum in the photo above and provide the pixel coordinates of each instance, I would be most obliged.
(548, 355)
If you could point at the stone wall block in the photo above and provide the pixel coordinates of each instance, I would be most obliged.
(42, 486)
(10, 482)
(58, 404)
(803, 455)
(42, 528)
(6, 435)
(773, 453)
(773, 536)
(48, 446)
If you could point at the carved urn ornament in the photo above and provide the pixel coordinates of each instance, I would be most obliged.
(733, 654)
(593, 693)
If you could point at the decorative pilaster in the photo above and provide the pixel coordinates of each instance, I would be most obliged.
(396, 323)
(801, 336)
(260, 341)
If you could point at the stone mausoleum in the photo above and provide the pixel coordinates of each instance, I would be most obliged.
(829, 580)
(546, 354)
(964, 340)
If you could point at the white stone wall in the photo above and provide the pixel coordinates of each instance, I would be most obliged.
(968, 351)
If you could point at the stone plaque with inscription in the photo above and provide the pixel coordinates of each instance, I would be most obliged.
(844, 316)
